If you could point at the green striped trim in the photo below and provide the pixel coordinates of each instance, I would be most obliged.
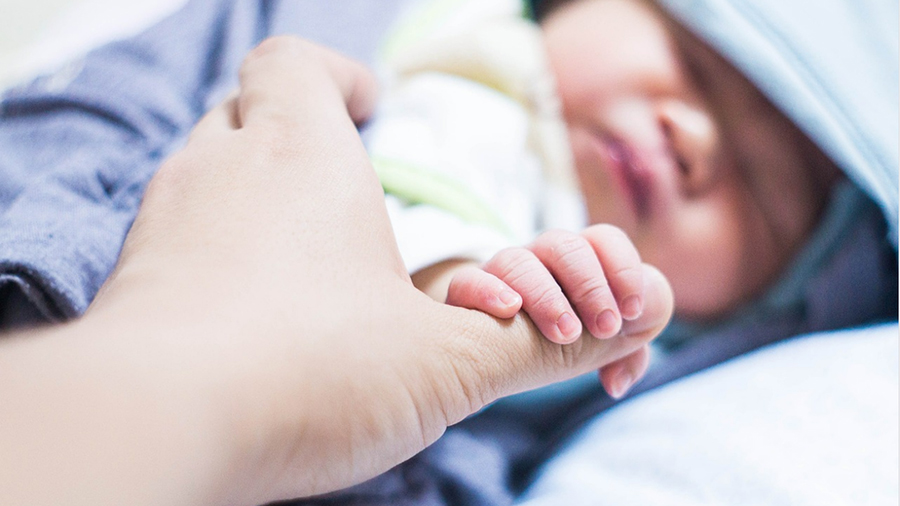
(420, 186)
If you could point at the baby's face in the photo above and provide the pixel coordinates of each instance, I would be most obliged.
(715, 187)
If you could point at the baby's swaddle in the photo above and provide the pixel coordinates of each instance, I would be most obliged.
(469, 142)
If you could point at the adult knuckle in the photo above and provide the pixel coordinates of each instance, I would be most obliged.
(282, 51)
(567, 357)
(282, 127)
(279, 45)
(277, 143)
(472, 370)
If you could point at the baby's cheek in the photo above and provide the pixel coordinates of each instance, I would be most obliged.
(704, 255)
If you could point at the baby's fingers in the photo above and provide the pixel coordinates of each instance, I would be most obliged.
(472, 288)
(618, 378)
(622, 266)
(572, 261)
(542, 297)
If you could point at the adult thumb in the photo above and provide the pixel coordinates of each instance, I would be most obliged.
(489, 358)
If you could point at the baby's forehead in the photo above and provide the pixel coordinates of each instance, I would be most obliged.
(635, 43)
(645, 35)
(685, 45)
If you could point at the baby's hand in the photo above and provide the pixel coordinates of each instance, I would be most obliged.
(598, 271)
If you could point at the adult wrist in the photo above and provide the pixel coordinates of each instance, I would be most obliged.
(172, 433)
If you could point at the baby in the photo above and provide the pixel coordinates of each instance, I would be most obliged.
(674, 147)
(681, 162)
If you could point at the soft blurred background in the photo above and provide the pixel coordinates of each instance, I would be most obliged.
(22, 22)
(39, 36)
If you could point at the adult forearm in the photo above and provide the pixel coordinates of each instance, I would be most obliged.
(94, 414)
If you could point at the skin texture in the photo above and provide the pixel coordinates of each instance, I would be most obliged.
(259, 338)
(561, 280)
(672, 145)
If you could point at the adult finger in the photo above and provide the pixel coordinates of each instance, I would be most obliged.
(622, 265)
(543, 299)
(277, 74)
(491, 359)
(575, 266)
(656, 313)
(219, 120)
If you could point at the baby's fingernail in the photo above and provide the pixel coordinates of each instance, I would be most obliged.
(632, 307)
(509, 298)
(622, 384)
(607, 324)
(568, 326)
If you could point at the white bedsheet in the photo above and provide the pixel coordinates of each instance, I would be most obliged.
(813, 421)
(80, 28)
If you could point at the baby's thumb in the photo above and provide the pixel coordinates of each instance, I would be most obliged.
(490, 359)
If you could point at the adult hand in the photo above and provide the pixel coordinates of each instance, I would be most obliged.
(260, 333)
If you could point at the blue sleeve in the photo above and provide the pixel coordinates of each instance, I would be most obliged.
(78, 147)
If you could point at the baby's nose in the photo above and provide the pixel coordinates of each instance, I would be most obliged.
(693, 139)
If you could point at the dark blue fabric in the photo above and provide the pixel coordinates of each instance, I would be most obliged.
(78, 147)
